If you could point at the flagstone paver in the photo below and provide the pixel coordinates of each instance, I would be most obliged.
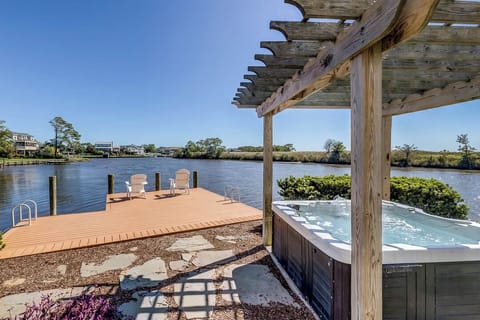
(211, 258)
(187, 256)
(147, 305)
(195, 243)
(253, 284)
(178, 265)
(231, 239)
(62, 269)
(195, 295)
(114, 262)
(148, 274)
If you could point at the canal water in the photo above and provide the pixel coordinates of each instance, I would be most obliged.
(82, 186)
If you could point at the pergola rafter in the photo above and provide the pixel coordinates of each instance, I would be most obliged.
(380, 59)
(447, 11)
(442, 54)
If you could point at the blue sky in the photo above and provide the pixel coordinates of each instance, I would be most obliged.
(165, 72)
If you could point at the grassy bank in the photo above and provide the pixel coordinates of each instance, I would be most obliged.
(429, 159)
(426, 159)
(294, 156)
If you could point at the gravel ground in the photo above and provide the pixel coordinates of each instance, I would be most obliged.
(40, 271)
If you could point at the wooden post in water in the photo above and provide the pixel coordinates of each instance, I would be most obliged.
(52, 187)
(195, 179)
(158, 186)
(111, 184)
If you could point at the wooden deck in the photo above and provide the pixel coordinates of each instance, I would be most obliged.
(126, 219)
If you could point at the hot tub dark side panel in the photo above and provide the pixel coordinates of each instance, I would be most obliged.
(279, 241)
(403, 291)
(453, 291)
(309, 268)
(341, 291)
(432, 291)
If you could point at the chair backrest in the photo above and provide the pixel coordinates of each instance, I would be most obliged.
(182, 177)
(137, 182)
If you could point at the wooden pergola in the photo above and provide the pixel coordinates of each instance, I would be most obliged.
(402, 56)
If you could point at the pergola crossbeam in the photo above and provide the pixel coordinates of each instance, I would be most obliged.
(447, 11)
(460, 35)
(442, 52)
(453, 93)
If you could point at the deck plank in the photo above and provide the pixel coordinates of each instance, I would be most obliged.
(125, 219)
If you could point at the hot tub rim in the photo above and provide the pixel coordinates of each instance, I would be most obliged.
(391, 253)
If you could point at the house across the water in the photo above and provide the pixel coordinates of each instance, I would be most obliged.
(25, 144)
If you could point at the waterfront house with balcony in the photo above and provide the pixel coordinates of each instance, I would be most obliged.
(105, 146)
(25, 144)
(133, 149)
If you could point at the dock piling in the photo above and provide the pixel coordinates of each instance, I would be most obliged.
(111, 184)
(52, 187)
(158, 186)
(195, 179)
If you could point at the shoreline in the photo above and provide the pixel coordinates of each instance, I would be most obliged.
(279, 157)
(318, 157)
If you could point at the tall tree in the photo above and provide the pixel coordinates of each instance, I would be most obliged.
(208, 148)
(213, 147)
(7, 146)
(149, 148)
(65, 135)
(466, 148)
(408, 151)
(190, 148)
(335, 150)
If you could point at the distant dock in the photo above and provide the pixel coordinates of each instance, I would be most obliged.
(24, 162)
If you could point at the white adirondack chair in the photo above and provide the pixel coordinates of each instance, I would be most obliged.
(181, 181)
(136, 185)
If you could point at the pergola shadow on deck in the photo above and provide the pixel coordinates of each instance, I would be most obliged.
(126, 219)
(380, 59)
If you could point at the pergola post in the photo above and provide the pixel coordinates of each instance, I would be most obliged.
(386, 150)
(267, 178)
(366, 101)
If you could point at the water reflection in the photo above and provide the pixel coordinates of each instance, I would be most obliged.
(83, 186)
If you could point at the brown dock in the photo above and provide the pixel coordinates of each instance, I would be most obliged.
(126, 219)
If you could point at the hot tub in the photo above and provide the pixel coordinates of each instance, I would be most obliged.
(431, 265)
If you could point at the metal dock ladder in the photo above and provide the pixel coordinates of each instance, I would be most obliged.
(19, 207)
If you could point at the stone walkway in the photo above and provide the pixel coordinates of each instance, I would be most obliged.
(217, 280)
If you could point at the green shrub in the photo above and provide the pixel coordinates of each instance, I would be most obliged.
(430, 195)
(298, 188)
(2, 244)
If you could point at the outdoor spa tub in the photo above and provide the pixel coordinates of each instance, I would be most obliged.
(431, 265)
